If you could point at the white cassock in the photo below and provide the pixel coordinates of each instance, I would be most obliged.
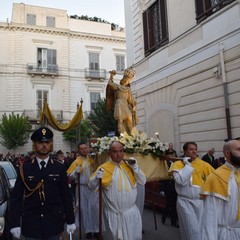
(220, 216)
(189, 205)
(140, 197)
(89, 201)
(122, 218)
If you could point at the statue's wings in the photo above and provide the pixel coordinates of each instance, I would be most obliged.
(109, 98)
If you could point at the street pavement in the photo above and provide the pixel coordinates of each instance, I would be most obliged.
(163, 232)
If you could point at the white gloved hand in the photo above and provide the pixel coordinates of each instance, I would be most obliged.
(100, 173)
(134, 164)
(16, 232)
(71, 228)
(162, 193)
(186, 161)
(133, 161)
(78, 169)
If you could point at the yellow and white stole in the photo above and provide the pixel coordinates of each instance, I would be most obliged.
(217, 185)
(201, 170)
(126, 173)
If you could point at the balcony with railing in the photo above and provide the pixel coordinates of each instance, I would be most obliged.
(99, 74)
(35, 69)
(34, 115)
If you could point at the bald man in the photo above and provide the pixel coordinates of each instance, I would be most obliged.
(121, 216)
(221, 217)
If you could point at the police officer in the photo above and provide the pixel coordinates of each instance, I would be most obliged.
(41, 201)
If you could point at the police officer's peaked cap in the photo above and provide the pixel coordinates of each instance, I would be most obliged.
(42, 134)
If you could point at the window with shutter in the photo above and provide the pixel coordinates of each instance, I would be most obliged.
(51, 60)
(47, 60)
(50, 21)
(155, 26)
(94, 97)
(94, 71)
(120, 63)
(41, 96)
(31, 19)
(205, 8)
(94, 61)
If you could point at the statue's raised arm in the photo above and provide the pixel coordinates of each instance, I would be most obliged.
(125, 105)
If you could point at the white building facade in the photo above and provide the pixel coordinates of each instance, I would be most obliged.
(187, 59)
(47, 54)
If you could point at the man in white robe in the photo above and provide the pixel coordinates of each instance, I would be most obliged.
(190, 175)
(122, 218)
(88, 199)
(221, 217)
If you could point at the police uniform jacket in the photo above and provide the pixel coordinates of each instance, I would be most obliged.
(43, 201)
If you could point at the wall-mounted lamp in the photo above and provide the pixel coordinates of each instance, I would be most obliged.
(216, 72)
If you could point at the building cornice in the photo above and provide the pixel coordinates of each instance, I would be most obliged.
(61, 32)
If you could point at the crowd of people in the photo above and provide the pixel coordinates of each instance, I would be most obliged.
(208, 205)
(53, 193)
(42, 202)
(168, 188)
(18, 158)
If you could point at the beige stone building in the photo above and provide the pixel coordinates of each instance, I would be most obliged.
(187, 59)
(47, 54)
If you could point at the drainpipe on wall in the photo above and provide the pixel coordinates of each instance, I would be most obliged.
(225, 89)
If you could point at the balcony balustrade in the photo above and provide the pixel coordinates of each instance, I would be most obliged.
(35, 69)
(99, 74)
(34, 115)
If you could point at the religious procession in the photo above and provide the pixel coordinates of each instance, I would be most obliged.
(120, 132)
(117, 187)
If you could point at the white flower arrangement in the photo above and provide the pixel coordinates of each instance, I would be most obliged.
(158, 148)
(137, 142)
(102, 144)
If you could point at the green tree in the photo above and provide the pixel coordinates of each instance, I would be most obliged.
(14, 131)
(99, 123)
(103, 120)
(87, 130)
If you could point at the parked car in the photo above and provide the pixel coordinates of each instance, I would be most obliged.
(11, 172)
(4, 206)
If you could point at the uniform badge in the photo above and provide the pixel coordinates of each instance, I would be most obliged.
(44, 131)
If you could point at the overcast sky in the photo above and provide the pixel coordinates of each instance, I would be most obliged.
(109, 10)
